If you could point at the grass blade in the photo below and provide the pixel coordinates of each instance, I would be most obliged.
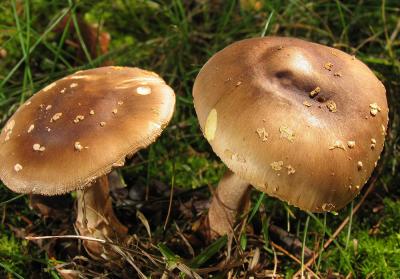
(304, 245)
(9, 270)
(168, 254)
(78, 32)
(267, 24)
(350, 223)
(11, 200)
(209, 252)
(256, 207)
(322, 243)
(33, 47)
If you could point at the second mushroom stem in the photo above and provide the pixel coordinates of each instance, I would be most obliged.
(96, 218)
(231, 197)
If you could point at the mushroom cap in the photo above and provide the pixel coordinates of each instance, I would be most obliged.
(300, 121)
(80, 127)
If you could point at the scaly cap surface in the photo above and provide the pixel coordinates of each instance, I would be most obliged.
(79, 127)
(300, 121)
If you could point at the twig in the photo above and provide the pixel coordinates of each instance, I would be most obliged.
(152, 258)
(69, 236)
(293, 258)
(142, 252)
(341, 226)
(187, 270)
(179, 232)
(254, 260)
(130, 260)
(289, 241)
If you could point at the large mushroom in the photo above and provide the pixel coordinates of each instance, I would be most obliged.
(300, 121)
(72, 133)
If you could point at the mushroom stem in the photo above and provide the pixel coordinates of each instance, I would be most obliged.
(231, 197)
(96, 218)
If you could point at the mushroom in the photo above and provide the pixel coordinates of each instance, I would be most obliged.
(249, 99)
(60, 154)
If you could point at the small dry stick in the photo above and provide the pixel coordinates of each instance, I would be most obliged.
(341, 226)
(130, 260)
(68, 236)
(142, 252)
(293, 258)
(179, 232)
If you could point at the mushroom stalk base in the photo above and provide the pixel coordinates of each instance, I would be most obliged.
(231, 197)
(96, 218)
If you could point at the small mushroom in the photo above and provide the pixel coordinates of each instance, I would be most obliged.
(304, 144)
(78, 157)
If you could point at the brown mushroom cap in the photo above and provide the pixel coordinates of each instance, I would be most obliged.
(300, 121)
(79, 127)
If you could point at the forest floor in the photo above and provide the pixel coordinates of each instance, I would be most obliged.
(38, 45)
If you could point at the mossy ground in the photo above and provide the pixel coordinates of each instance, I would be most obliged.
(175, 38)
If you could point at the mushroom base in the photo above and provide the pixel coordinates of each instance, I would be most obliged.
(96, 219)
(231, 197)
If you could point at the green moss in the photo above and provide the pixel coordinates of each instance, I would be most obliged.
(10, 252)
(375, 247)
